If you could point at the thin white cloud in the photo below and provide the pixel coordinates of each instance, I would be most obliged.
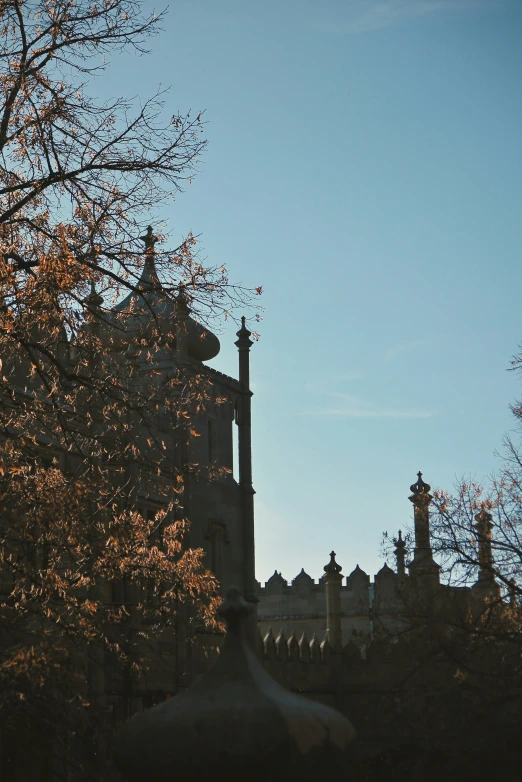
(366, 16)
(355, 374)
(315, 386)
(355, 413)
(405, 347)
(353, 407)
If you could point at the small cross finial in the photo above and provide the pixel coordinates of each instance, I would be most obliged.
(149, 239)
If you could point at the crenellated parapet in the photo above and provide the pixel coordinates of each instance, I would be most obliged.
(302, 604)
(359, 609)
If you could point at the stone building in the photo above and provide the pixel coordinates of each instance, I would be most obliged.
(397, 657)
(220, 508)
(367, 609)
(338, 640)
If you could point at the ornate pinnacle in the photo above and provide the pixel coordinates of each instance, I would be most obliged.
(420, 491)
(484, 522)
(243, 335)
(332, 567)
(94, 299)
(484, 525)
(400, 553)
(399, 543)
(150, 240)
(420, 487)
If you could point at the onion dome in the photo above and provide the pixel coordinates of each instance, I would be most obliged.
(236, 723)
(148, 311)
(332, 567)
(420, 489)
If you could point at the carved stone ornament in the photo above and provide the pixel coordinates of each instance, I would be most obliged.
(420, 489)
(235, 724)
(333, 567)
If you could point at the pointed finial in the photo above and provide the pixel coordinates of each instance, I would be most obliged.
(149, 239)
(94, 299)
(243, 335)
(332, 566)
(400, 544)
(234, 609)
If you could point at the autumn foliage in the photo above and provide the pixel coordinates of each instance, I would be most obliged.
(85, 577)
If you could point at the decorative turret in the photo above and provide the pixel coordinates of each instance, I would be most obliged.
(148, 314)
(236, 723)
(333, 581)
(486, 579)
(422, 566)
(400, 554)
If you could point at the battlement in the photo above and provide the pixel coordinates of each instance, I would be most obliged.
(300, 606)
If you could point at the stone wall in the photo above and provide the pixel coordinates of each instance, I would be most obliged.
(367, 608)
(398, 692)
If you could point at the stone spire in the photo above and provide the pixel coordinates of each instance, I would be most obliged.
(400, 554)
(486, 579)
(422, 566)
(333, 581)
(236, 723)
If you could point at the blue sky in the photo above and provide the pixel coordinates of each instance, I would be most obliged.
(365, 167)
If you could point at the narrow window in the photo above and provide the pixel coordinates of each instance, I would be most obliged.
(235, 453)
